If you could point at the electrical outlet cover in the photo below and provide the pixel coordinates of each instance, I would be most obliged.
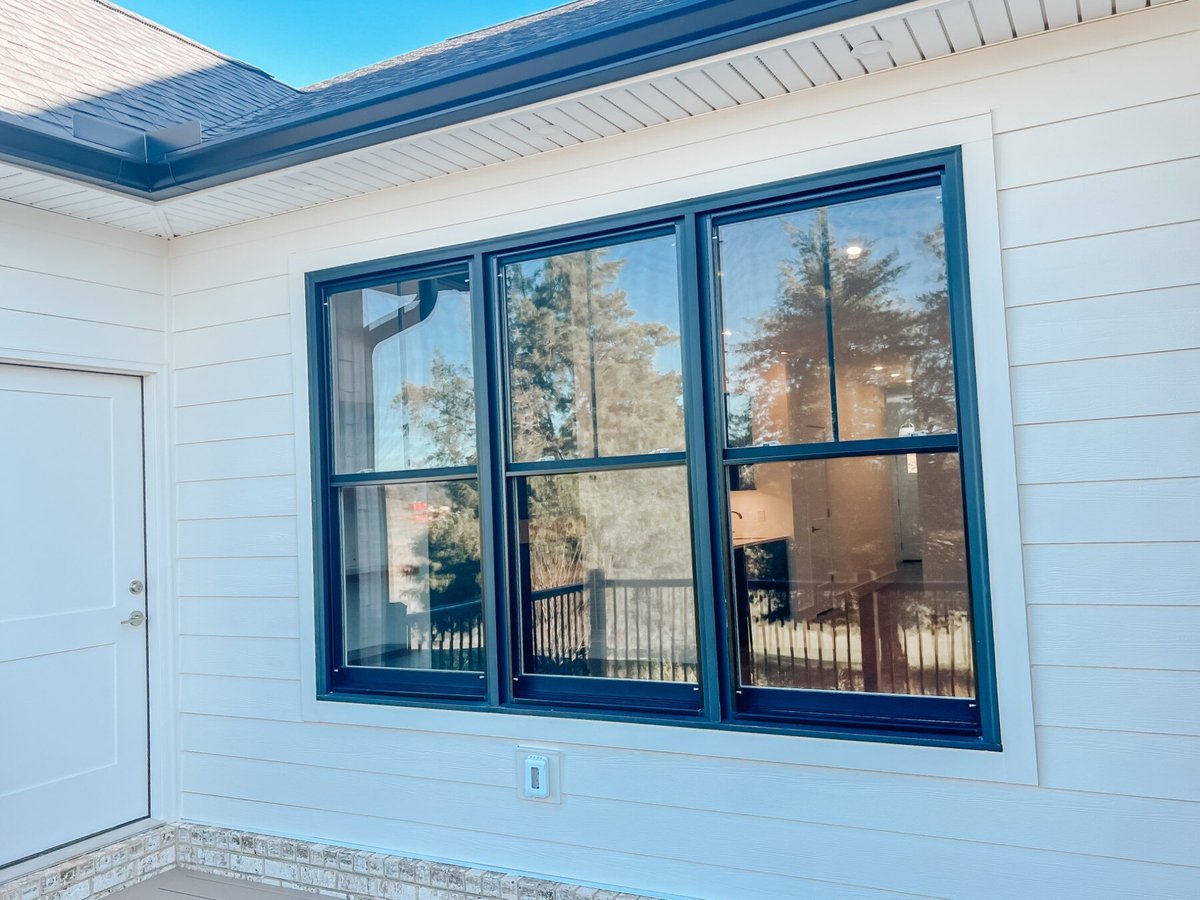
(553, 784)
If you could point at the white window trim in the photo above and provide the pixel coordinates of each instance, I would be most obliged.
(1017, 761)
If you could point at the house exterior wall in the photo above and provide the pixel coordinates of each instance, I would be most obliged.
(71, 291)
(1095, 160)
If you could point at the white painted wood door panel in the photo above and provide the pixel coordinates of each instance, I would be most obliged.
(73, 713)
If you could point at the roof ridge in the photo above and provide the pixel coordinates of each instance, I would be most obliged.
(183, 38)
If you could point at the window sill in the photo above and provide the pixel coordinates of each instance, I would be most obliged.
(743, 737)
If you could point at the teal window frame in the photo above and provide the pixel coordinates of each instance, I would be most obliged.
(718, 701)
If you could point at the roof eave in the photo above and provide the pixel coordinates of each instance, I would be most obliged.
(41, 151)
(675, 36)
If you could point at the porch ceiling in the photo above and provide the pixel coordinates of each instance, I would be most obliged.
(919, 31)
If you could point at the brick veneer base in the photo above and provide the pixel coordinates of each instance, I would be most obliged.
(100, 872)
(324, 869)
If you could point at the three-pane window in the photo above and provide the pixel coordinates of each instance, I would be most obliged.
(713, 464)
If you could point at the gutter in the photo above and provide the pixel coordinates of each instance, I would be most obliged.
(681, 33)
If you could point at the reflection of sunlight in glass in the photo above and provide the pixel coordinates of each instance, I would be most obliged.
(799, 296)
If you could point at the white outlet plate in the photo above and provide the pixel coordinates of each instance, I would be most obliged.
(553, 774)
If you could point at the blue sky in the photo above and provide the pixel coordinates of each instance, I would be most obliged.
(304, 41)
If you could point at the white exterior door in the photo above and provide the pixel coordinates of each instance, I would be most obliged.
(73, 697)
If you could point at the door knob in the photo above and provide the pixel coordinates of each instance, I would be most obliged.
(136, 618)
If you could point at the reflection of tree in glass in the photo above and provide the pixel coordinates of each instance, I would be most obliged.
(444, 410)
(582, 378)
(783, 365)
(583, 383)
(894, 365)
(933, 366)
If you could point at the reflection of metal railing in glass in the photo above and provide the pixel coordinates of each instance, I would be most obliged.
(885, 637)
(453, 642)
(447, 637)
(616, 628)
(922, 641)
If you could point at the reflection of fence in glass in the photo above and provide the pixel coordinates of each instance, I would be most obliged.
(616, 628)
(645, 629)
(886, 641)
(449, 637)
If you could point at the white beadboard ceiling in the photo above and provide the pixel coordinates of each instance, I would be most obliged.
(917, 32)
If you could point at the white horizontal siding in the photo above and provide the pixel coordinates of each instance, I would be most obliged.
(243, 577)
(246, 379)
(1071, 208)
(51, 335)
(239, 617)
(1149, 765)
(1102, 265)
(1019, 817)
(72, 289)
(879, 859)
(245, 657)
(1115, 325)
(1100, 512)
(1098, 573)
(1105, 142)
(248, 300)
(1126, 700)
(50, 244)
(224, 538)
(235, 419)
(1099, 282)
(50, 294)
(236, 458)
(1151, 384)
(1110, 449)
(1117, 637)
(232, 342)
(276, 700)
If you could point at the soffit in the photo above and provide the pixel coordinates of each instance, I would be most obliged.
(915, 33)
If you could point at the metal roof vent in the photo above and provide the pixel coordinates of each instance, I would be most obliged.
(144, 146)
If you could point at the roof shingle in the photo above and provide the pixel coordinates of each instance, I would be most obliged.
(65, 56)
(58, 57)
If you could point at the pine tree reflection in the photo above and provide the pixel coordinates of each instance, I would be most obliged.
(855, 345)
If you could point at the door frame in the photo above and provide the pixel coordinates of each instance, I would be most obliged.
(157, 473)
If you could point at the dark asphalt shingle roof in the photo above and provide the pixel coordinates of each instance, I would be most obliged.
(450, 57)
(58, 57)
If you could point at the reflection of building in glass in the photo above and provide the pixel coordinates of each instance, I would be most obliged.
(845, 567)
(405, 401)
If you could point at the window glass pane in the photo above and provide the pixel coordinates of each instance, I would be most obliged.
(593, 352)
(403, 388)
(851, 575)
(866, 279)
(891, 317)
(411, 576)
(774, 331)
(606, 570)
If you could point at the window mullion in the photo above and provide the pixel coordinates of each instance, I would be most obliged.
(489, 429)
(704, 407)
